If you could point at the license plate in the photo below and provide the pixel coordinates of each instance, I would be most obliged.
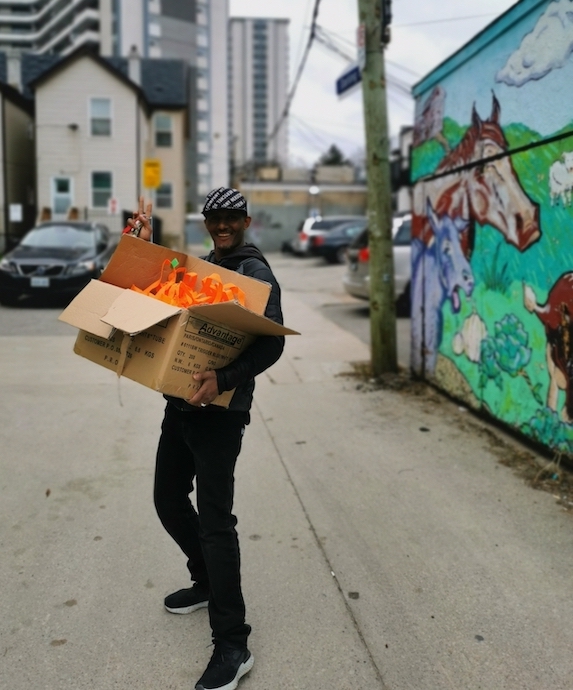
(39, 281)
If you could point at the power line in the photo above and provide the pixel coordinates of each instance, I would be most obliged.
(290, 97)
(450, 19)
(324, 37)
(322, 133)
(327, 38)
(405, 69)
(300, 45)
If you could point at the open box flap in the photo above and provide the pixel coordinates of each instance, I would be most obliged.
(133, 312)
(137, 262)
(87, 308)
(234, 315)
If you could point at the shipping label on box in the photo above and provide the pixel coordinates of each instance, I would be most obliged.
(165, 356)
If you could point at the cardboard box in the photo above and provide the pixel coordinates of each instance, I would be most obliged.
(154, 343)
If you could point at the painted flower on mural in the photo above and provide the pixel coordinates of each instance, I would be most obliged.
(546, 427)
(511, 344)
(506, 352)
(490, 368)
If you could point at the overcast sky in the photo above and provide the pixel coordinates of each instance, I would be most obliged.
(424, 33)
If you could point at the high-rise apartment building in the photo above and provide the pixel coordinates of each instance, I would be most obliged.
(57, 26)
(192, 30)
(258, 69)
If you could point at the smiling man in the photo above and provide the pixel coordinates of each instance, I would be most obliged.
(226, 220)
(198, 449)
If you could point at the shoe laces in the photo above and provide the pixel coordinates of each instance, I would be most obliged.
(218, 655)
(220, 649)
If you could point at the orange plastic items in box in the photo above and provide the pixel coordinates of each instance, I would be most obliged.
(178, 287)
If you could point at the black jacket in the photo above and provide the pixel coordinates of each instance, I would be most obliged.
(264, 351)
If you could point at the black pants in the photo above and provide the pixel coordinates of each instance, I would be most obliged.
(202, 447)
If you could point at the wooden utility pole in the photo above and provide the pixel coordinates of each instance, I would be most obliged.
(374, 28)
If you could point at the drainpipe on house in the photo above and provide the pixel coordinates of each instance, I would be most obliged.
(134, 73)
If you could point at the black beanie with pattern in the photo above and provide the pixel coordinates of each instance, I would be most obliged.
(225, 198)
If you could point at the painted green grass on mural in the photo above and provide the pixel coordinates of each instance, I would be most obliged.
(453, 132)
(546, 427)
(427, 157)
(518, 135)
(496, 277)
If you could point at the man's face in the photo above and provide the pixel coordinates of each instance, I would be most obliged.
(227, 229)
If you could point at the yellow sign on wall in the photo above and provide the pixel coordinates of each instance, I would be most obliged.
(151, 173)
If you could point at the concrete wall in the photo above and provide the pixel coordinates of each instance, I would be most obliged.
(492, 253)
(277, 209)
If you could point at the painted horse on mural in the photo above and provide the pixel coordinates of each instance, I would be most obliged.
(440, 272)
(477, 183)
(556, 315)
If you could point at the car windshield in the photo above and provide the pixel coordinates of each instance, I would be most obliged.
(350, 230)
(60, 236)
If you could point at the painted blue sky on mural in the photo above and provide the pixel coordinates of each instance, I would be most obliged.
(522, 63)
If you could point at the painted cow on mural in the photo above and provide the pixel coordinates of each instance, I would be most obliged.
(561, 179)
(556, 315)
(440, 272)
(472, 184)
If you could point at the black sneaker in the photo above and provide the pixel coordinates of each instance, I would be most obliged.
(187, 600)
(227, 666)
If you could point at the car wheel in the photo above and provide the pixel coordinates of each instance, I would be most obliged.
(341, 255)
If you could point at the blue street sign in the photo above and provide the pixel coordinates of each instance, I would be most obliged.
(348, 79)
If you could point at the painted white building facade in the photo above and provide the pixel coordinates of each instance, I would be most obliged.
(94, 132)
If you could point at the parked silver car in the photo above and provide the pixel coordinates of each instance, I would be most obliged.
(356, 280)
(317, 226)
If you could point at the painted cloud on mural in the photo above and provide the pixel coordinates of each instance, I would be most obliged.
(547, 47)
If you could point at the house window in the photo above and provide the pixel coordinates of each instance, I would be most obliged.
(163, 134)
(100, 117)
(101, 189)
(164, 195)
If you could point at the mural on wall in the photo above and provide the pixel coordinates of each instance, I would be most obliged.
(492, 267)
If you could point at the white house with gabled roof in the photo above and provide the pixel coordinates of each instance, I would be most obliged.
(100, 124)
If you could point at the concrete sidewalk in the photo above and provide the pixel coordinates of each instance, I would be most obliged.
(375, 554)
